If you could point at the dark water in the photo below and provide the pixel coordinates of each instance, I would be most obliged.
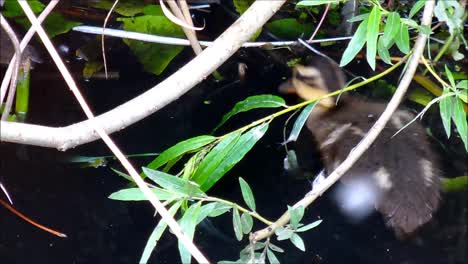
(100, 230)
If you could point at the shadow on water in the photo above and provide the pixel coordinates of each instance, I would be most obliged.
(100, 230)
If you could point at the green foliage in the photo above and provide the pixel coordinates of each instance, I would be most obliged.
(289, 28)
(300, 121)
(124, 7)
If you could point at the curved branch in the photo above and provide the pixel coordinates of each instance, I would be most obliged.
(156, 98)
(373, 133)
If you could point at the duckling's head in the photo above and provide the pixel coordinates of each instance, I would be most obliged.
(321, 76)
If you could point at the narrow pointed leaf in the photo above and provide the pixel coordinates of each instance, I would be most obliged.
(296, 215)
(372, 35)
(449, 76)
(459, 118)
(297, 241)
(300, 121)
(135, 194)
(188, 224)
(391, 28)
(180, 149)
(446, 110)
(247, 223)
(236, 222)
(356, 43)
(208, 175)
(247, 194)
(271, 257)
(253, 102)
(402, 39)
(172, 183)
(219, 209)
(416, 7)
(309, 226)
(156, 234)
(383, 52)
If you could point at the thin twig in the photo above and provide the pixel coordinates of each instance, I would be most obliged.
(104, 59)
(16, 45)
(372, 134)
(320, 22)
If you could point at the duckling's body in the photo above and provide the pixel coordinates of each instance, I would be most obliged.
(402, 170)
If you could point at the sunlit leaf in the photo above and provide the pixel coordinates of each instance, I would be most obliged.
(173, 183)
(309, 226)
(416, 7)
(13, 9)
(236, 222)
(220, 160)
(459, 118)
(446, 110)
(180, 149)
(392, 26)
(188, 224)
(402, 39)
(135, 194)
(410, 22)
(253, 102)
(55, 24)
(383, 51)
(372, 35)
(297, 241)
(157, 233)
(356, 44)
(247, 223)
(247, 194)
(300, 121)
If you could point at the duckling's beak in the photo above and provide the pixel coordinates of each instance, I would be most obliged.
(308, 84)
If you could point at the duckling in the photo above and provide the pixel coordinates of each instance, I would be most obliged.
(402, 171)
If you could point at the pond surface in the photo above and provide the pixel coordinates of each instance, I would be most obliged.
(74, 200)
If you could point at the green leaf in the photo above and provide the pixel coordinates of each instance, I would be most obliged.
(206, 210)
(356, 44)
(457, 184)
(416, 7)
(135, 194)
(420, 96)
(253, 102)
(271, 257)
(446, 110)
(289, 28)
(55, 24)
(157, 233)
(188, 224)
(392, 26)
(358, 18)
(298, 242)
(449, 76)
(410, 22)
(13, 9)
(275, 247)
(296, 215)
(173, 183)
(383, 51)
(123, 175)
(306, 3)
(247, 194)
(236, 222)
(242, 5)
(217, 163)
(402, 39)
(309, 226)
(154, 57)
(124, 7)
(300, 121)
(247, 223)
(219, 209)
(284, 233)
(372, 35)
(180, 149)
(91, 67)
(459, 118)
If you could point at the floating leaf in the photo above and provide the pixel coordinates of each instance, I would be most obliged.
(446, 110)
(459, 118)
(219, 161)
(300, 121)
(188, 224)
(135, 194)
(156, 234)
(253, 102)
(356, 43)
(180, 149)
(289, 28)
(392, 26)
(372, 35)
(247, 194)
(297, 241)
(247, 223)
(154, 57)
(236, 222)
(309, 226)
(402, 39)
(173, 183)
